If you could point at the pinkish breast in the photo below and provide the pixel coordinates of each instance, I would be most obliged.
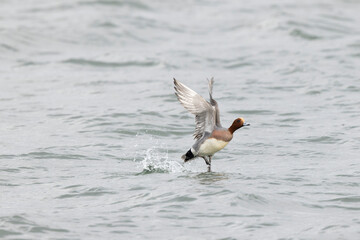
(222, 134)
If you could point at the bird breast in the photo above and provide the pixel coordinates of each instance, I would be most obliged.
(211, 146)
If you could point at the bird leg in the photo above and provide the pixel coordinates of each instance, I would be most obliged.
(209, 165)
(206, 161)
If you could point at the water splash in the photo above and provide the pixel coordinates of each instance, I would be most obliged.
(152, 155)
(157, 160)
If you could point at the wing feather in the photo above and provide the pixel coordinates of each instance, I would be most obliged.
(214, 103)
(204, 112)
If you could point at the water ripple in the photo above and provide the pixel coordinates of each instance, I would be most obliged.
(97, 63)
(92, 134)
(92, 192)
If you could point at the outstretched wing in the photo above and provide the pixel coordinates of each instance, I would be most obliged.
(214, 103)
(204, 112)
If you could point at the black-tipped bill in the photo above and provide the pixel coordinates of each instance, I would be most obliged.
(246, 124)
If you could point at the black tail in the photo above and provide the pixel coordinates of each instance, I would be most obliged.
(189, 155)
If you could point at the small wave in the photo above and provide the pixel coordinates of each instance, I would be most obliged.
(349, 199)
(50, 155)
(92, 192)
(98, 63)
(320, 139)
(130, 4)
(8, 47)
(252, 112)
(304, 35)
(19, 225)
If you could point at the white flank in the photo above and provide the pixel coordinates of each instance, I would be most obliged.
(211, 146)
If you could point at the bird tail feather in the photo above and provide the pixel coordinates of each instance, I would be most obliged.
(188, 156)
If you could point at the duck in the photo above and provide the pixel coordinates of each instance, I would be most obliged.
(209, 135)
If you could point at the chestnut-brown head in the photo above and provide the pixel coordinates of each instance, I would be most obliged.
(238, 123)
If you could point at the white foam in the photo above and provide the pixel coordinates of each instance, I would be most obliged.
(157, 159)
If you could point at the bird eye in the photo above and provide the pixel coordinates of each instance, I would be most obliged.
(238, 121)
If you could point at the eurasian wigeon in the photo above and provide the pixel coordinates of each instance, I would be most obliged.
(210, 136)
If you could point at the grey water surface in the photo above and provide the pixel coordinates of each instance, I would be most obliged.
(91, 132)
